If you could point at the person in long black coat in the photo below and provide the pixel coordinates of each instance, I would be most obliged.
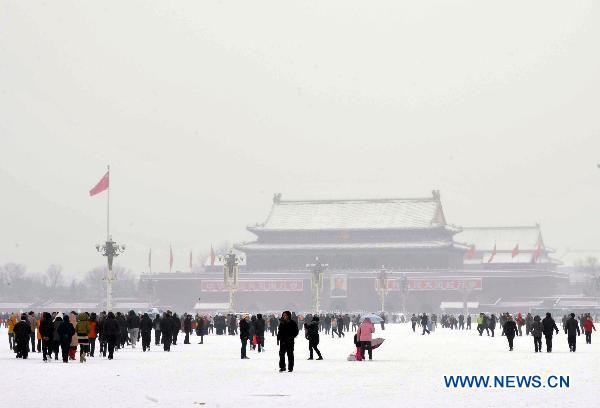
(146, 327)
(572, 331)
(549, 328)
(112, 333)
(65, 334)
(187, 328)
(167, 328)
(286, 333)
(176, 328)
(259, 330)
(22, 332)
(312, 335)
(47, 335)
(244, 335)
(510, 331)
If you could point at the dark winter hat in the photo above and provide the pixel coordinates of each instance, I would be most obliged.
(572, 314)
(548, 314)
(315, 318)
(259, 316)
(23, 316)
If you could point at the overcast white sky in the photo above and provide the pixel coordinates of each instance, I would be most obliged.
(204, 109)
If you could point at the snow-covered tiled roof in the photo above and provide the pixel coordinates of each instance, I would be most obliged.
(505, 238)
(417, 213)
(253, 246)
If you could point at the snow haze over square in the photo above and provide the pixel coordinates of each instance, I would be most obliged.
(204, 110)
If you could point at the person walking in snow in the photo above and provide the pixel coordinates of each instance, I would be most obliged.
(549, 328)
(424, 321)
(311, 329)
(572, 331)
(536, 330)
(66, 331)
(510, 330)
(588, 325)
(146, 327)
(286, 333)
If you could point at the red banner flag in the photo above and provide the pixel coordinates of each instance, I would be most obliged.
(515, 251)
(212, 256)
(101, 186)
(537, 253)
(493, 254)
(471, 253)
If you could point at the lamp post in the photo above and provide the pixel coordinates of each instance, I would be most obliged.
(404, 292)
(316, 281)
(383, 286)
(110, 250)
(231, 270)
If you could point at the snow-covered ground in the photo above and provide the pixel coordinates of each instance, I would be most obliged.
(408, 370)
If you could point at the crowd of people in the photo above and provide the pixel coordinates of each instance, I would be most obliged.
(512, 327)
(54, 333)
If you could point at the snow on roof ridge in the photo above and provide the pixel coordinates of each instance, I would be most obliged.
(535, 226)
(355, 200)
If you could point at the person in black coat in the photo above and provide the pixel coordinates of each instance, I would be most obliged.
(156, 323)
(286, 333)
(312, 335)
(122, 338)
(200, 328)
(101, 334)
(259, 330)
(176, 327)
(146, 327)
(510, 331)
(187, 328)
(244, 335)
(112, 333)
(572, 331)
(65, 334)
(549, 328)
(22, 332)
(47, 335)
(167, 328)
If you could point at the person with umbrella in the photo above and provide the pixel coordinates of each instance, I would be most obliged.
(364, 335)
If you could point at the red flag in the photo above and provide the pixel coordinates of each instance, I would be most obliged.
(101, 186)
(537, 253)
(493, 254)
(170, 258)
(471, 252)
(212, 256)
(515, 251)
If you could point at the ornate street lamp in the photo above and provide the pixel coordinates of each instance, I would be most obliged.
(383, 286)
(317, 270)
(404, 291)
(110, 250)
(231, 270)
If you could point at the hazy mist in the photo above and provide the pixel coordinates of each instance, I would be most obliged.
(205, 109)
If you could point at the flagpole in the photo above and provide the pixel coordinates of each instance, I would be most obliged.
(108, 205)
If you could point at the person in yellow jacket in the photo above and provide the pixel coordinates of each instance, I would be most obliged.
(12, 320)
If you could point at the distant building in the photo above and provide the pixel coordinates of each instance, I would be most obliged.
(355, 235)
(429, 263)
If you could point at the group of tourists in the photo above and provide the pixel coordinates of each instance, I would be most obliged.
(512, 326)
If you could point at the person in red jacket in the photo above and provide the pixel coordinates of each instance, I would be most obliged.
(93, 333)
(588, 326)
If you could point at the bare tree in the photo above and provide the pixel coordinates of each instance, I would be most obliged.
(591, 268)
(54, 276)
